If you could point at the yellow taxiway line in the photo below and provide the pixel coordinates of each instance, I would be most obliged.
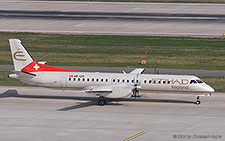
(169, 102)
(135, 136)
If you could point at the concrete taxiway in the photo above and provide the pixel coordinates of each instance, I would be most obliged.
(163, 19)
(34, 113)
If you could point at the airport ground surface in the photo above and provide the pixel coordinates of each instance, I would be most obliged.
(34, 113)
(165, 19)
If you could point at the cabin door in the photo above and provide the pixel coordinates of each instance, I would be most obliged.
(63, 82)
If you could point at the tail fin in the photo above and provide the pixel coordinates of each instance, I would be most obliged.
(20, 55)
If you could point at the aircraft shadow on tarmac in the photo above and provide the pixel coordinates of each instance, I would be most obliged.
(91, 100)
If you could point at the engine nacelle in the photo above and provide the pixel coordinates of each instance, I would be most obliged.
(120, 92)
(112, 91)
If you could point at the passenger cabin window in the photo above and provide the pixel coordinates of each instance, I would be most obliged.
(118, 80)
(127, 81)
(69, 79)
(87, 79)
(150, 81)
(83, 79)
(97, 80)
(193, 82)
(114, 80)
(123, 80)
(78, 79)
(101, 80)
(106, 80)
(93, 80)
(145, 81)
(74, 79)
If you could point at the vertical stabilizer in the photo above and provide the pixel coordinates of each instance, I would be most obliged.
(21, 57)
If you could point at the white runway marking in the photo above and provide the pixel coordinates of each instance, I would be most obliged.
(82, 24)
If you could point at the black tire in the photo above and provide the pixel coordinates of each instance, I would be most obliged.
(198, 102)
(102, 102)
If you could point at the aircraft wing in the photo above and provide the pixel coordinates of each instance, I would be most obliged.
(112, 91)
(137, 71)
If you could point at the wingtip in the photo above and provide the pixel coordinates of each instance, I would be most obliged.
(14, 40)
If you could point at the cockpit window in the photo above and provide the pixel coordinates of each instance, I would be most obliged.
(193, 82)
(199, 81)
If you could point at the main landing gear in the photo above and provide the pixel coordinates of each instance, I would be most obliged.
(101, 101)
(135, 93)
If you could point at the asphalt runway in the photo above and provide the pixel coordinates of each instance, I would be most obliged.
(161, 19)
(34, 113)
(127, 70)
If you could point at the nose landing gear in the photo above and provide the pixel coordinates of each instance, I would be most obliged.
(198, 102)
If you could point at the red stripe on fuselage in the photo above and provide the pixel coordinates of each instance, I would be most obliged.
(37, 67)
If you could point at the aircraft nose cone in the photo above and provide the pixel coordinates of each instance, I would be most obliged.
(212, 90)
(209, 89)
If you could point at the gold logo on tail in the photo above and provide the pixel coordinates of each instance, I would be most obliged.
(15, 55)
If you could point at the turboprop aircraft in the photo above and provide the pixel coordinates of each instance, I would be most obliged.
(104, 85)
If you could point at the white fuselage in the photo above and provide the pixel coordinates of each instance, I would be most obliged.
(147, 82)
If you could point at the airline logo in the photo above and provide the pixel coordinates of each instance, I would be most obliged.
(19, 56)
(36, 67)
(169, 81)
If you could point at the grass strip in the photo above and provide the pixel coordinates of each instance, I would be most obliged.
(119, 51)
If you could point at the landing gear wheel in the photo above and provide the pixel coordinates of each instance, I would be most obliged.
(198, 102)
(135, 93)
(101, 101)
